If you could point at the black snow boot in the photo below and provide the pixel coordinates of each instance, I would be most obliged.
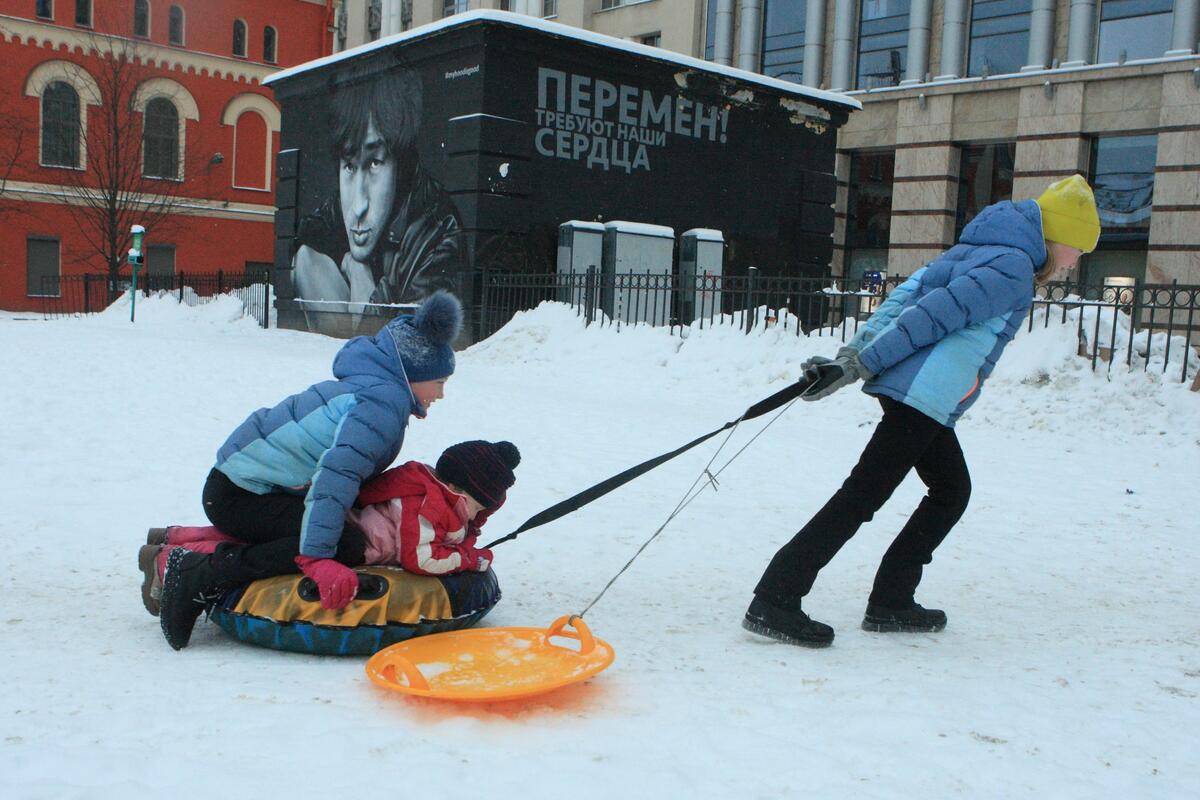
(791, 626)
(193, 583)
(914, 618)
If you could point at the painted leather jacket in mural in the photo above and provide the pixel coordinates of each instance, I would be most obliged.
(421, 253)
(324, 442)
(937, 336)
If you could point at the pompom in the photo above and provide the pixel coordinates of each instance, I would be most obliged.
(509, 454)
(439, 318)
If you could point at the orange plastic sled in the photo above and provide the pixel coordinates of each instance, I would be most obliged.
(491, 664)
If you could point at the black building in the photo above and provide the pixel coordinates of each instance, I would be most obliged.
(435, 156)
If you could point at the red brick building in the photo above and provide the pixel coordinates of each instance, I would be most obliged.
(155, 106)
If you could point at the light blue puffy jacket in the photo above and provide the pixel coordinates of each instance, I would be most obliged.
(322, 443)
(937, 336)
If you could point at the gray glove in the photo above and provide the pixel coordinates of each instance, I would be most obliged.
(826, 377)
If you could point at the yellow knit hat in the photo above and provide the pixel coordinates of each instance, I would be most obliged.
(1069, 214)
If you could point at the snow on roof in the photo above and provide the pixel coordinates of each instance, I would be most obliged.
(583, 225)
(640, 228)
(706, 234)
(591, 37)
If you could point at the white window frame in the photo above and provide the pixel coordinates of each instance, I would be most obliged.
(182, 26)
(240, 104)
(85, 86)
(184, 103)
(149, 20)
(245, 38)
(274, 59)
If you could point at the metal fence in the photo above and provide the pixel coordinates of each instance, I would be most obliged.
(1145, 325)
(70, 295)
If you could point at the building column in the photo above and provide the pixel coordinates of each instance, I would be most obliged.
(814, 42)
(843, 45)
(1081, 35)
(750, 36)
(954, 29)
(1186, 28)
(1174, 248)
(1049, 143)
(389, 13)
(1041, 36)
(925, 189)
(723, 33)
(920, 16)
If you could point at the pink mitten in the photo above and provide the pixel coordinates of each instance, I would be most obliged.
(336, 582)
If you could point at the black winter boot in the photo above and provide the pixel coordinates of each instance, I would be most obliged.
(194, 582)
(791, 626)
(912, 619)
(190, 586)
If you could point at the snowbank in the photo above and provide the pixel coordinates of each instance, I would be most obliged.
(1069, 667)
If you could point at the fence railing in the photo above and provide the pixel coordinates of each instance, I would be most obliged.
(70, 295)
(1144, 325)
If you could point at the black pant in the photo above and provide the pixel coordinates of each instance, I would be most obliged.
(905, 438)
(270, 524)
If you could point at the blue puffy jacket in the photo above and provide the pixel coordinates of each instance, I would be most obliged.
(938, 335)
(324, 442)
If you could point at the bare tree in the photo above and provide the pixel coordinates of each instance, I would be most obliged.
(134, 167)
(15, 138)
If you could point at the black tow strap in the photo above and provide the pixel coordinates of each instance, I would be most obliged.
(604, 487)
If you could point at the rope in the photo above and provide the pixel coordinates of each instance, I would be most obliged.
(691, 494)
(593, 493)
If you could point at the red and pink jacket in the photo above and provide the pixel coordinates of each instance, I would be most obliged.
(412, 519)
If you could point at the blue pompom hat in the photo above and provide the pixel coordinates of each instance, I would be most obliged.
(423, 341)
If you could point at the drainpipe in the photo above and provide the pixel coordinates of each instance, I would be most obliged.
(750, 36)
(920, 16)
(814, 42)
(329, 32)
(1041, 36)
(723, 33)
(954, 28)
(843, 45)
(1186, 28)
(1081, 36)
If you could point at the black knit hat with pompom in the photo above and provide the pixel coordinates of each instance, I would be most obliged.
(483, 470)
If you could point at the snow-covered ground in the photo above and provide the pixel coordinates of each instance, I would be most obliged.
(1070, 667)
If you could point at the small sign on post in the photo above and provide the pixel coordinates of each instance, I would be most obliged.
(136, 260)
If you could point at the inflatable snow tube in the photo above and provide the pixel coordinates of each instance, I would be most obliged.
(284, 613)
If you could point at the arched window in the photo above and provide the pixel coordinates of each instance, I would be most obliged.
(239, 38)
(141, 18)
(160, 140)
(60, 126)
(269, 36)
(175, 26)
(251, 140)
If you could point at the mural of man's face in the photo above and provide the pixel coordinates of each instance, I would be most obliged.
(367, 186)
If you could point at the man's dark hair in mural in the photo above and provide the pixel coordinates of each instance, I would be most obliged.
(390, 233)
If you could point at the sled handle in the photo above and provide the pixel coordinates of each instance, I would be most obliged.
(399, 664)
(587, 643)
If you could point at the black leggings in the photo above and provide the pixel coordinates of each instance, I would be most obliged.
(270, 525)
(904, 439)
